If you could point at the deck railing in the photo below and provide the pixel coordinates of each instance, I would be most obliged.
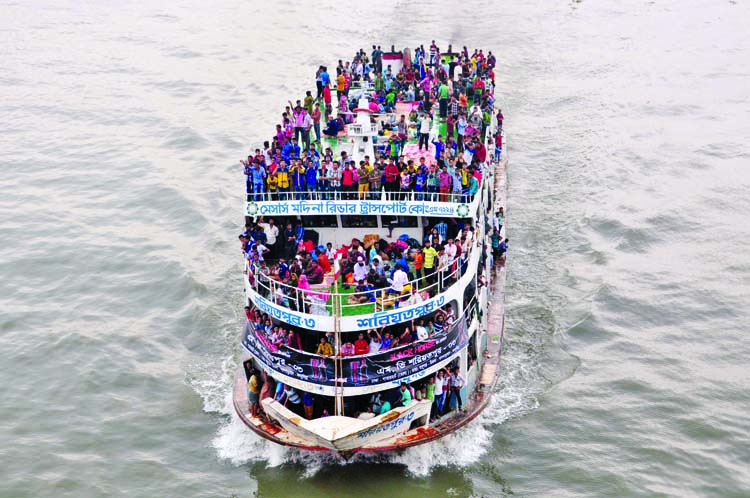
(320, 299)
(337, 194)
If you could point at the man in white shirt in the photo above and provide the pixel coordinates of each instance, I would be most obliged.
(400, 278)
(261, 250)
(424, 131)
(457, 382)
(306, 125)
(272, 232)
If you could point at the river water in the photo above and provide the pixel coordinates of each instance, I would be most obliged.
(626, 368)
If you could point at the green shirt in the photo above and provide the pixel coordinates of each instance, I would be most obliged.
(431, 392)
(406, 397)
(473, 185)
(429, 257)
(309, 104)
(443, 91)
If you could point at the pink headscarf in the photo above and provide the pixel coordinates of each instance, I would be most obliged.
(303, 284)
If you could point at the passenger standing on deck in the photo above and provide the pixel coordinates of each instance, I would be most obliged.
(316, 121)
(319, 81)
(282, 173)
(430, 254)
(307, 123)
(290, 238)
(443, 93)
(272, 232)
(253, 392)
(298, 115)
(438, 395)
(457, 382)
(363, 180)
(425, 125)
(392, 179)
(445, 183)
(461, 129)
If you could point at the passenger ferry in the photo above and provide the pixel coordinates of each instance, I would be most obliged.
(375, 313)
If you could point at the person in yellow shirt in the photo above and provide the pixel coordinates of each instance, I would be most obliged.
(253, 392)
(324, 348)
(298, 173)
(340, 85)
(273, 185)
(430, 254)
(282, 172)
(364, 180)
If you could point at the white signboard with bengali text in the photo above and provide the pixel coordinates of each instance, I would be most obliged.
(361, 208)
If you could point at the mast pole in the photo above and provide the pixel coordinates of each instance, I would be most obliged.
(337, 362)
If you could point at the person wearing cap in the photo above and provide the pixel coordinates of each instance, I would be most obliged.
(360, 270)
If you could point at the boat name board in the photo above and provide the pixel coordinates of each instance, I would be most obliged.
(383, 318)
(390, 426)
(362, 208)
(357, 371)
(285, 315)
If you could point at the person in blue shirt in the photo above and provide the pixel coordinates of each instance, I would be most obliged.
(502, 249)
(298, 179)
(312, 178)
(325, 78)
(420, 181)
(258, 174)
(283, 270)
(401, 261)
(300, 233)
(439, 146)
(295, 149)
(248, 169)
(287, 150)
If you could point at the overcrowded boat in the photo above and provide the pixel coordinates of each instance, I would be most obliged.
(374, 253)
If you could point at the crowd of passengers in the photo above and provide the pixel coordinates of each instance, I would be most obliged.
(442, 389)
(292, 166)
(353, 343)
(404, 269)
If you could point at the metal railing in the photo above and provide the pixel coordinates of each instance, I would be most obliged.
(321, 299)
(343, 194)
(468, 314)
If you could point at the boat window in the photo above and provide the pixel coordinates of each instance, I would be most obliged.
(323, 221)
(399, 221)
(354, 221)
